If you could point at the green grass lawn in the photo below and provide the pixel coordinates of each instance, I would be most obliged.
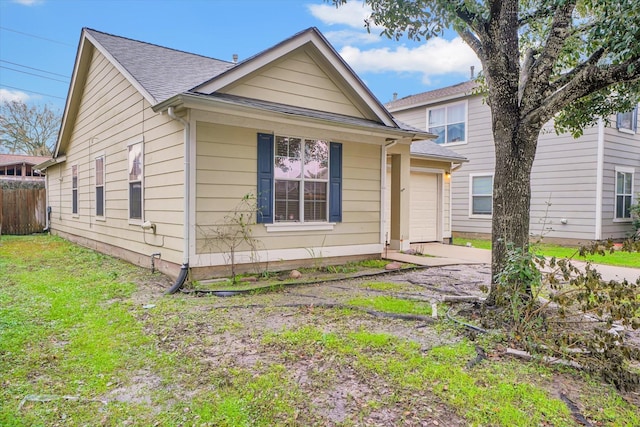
(618, 258)
(86, 340)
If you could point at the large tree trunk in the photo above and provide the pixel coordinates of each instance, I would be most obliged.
(515, 148)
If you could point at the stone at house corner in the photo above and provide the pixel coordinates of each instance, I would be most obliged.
(249, 279)
(295, 274)
(392, 266)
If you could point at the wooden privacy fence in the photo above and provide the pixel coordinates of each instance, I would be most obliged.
(22, 210)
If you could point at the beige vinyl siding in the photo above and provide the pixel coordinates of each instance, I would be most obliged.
(623, 150)
(112, 114)
(226, 162)
(297, 80)
(563, 176)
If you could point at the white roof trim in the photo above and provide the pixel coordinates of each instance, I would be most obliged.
(269, 56)
(120, 68)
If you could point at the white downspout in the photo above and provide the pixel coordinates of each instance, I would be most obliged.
(383, 189)
(187, 183)
(599, 179)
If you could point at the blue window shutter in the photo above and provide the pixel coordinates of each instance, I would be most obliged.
(618, 120)
(265, 179)
(634, 119)
(335, 182)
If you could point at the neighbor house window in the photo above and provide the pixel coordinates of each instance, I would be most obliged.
(448, 123)
(100, 186)
(481, 194)
(624, 193)
(135, 181)
(299, 180)
(628, 122)
(74, 189)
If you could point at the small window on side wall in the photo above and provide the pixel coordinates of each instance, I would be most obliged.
(135, 181)
(481, 195)
(100, 196)
(74, 189)
(624, 193)
(628, 121)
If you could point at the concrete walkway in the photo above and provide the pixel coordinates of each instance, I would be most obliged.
(439, 254)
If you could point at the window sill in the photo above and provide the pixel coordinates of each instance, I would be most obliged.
(625, 130)
(299, 226)
(101, 218)
(453, 144)
(623, 220)
(479, 216)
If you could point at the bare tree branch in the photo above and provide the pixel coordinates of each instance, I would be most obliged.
(28, 130)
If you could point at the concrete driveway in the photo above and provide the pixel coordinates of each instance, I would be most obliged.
(438, 254)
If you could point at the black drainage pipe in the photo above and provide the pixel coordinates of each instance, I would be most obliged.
(182, 277)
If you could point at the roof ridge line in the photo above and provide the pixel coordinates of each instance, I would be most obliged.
(156, 45)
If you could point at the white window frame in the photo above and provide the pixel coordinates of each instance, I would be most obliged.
(446, 121)
(136, 221)
(75, 192)
(96, 186)
(625, 170)
(471, 195)
(302, 180)
(634, 121)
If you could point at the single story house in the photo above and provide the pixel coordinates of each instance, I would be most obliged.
(158, 147)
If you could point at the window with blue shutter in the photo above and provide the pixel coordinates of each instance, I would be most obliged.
(265, 179)
(335, 182)
(299, 180)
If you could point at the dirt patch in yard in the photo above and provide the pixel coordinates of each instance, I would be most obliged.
(230, 333)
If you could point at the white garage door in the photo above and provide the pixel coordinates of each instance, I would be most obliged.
(424, 207)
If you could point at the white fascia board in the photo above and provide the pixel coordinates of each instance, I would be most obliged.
(434, 101)
(196, 102)
(150, 99)
(278, 52)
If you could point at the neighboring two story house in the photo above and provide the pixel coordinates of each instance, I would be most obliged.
(581, 188)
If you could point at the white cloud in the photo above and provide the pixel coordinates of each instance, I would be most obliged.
(435, 57)
(9, 95)
(28, 2)
(351, 14)
(350, 37)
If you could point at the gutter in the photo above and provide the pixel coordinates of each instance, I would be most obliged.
(599, 179)
(383, 189)
(184, 269)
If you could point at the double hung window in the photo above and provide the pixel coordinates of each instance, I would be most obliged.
(135, 181)
(301, 178)
(99, 186)
(74, 189)
(448, 123)
(299, 181)
(624, 193)
(481, 195)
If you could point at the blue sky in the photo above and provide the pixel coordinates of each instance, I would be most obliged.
(38, 40)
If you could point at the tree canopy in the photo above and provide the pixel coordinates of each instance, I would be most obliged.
(573, 61)
(25, 129)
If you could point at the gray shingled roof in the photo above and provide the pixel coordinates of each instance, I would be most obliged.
(462, 89)
(431, 149)
(161, 71)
